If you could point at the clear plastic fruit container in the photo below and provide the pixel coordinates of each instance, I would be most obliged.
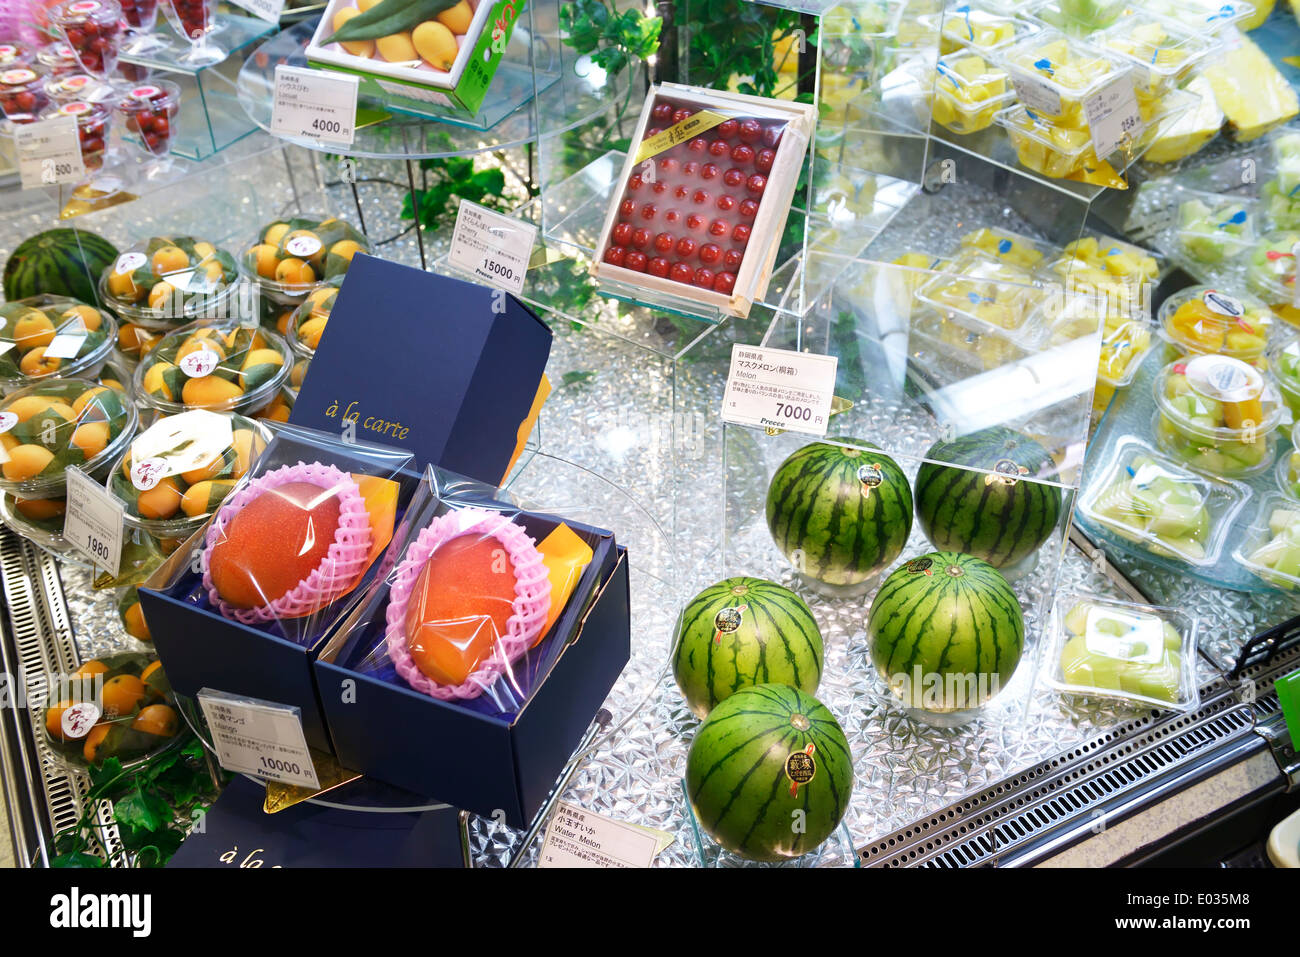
(1213, 230)
(1105, 648)
(985, 295)
(1081, 279)
(1125, 341)
(177, 471)
(15, 54)
(1121, 259)
(22, 91)
(40, 520)
(43, 336)
(1051, 149)
(960, 343)
(1076, 17)
(221, 367)
(291, 257)
(58, 59)
(93, 29)
(1270, 545)
(92, 128)
(1271, 273)
(1284, 363)
(1007, 246)
(977, 25)
(298, 375)
(1163, 54)
(1153, 501)
(148, 114)
(1218, 415)
(140, 15)
(1210, 320)
(72, 87)
(167, 281)
(307, 324)
(57, 423)
(1288, 469)
(968, 92)
(1062, 70)
(1206, 17)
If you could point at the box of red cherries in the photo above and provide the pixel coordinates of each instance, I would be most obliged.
(703, 198)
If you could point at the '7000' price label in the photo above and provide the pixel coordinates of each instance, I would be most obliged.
(779, 389)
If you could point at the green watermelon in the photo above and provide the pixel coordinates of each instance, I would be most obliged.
(946, 632)
(1002, 518)
(65, 262)
(841, 515)
(760, 757)
(742, 632)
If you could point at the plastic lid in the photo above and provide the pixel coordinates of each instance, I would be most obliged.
(149, 96)
(1241, 401)
(76, 86)
(293, 256)
(308, 321)
(13, 53)
(1215, 320)
(199, 278)
(75, 11)
(1071, 68)
(215, 367)
(43, 336)
(1272, 267)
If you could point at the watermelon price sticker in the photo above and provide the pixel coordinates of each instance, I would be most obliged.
(578, 838)
(260, 738)
(314, 105)
(93, 521)
(780, 389)
(49, 152)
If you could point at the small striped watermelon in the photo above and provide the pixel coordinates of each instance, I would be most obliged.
(769, 773)
(946, 631)
(742, 632)
(841, 515)
(60, 262)
(998, 515)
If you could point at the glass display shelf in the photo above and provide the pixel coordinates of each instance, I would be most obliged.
(231, 35)
(562, 103)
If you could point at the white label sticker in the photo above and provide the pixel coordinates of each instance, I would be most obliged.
(492, 246)
(93, 521)
(1035, 93)
(147, 473)
(260, 738)
(314, 105)
(77, 720)
(65, 345)
(578, 838)
(49, 152)
(129, 263)
(7, 421)
(180, 443)
(1113, 117)
(199, 363)
(778, 389)
(1222, 303)
(302, 246)
(268, 10)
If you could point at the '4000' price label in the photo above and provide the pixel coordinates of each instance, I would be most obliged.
(314, 105)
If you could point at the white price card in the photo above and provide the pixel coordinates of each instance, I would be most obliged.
(579, 838)
(260, 738)
(1113, 116)
(1036, 94)
(492, 246)
(92, 523)
(268, 10)
(65, 345)
(49, 152)
(314, 104)
(779, 389)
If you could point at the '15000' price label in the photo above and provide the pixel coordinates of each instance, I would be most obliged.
(491, 246)
(779, 389)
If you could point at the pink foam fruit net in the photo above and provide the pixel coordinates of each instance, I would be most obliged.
(531, 604)
(338, 571)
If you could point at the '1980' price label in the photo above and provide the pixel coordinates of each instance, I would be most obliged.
(93, 521)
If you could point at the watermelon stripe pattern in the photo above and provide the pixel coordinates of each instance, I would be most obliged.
(947, 614)
(775, 639)
(1002, 518)
(737, 778)
(65, 262)
(840, 515)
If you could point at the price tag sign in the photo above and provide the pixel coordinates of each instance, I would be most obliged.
(314, 105)
(492, 246)
(1035, 94)
(779, 389)
(1113, 116)
(49, 152)
(260, 738)
(93, 521)
(578, 838)
(268, 10)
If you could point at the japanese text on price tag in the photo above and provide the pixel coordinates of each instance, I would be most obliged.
(268, 10)
(260, 738)
(1113, 116)
(315, 105)
(578, 838)
(1035, 93)
(49, 152)
(778, 389)
(93, 521)
(492, 246)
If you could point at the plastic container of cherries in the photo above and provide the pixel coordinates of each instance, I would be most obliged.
(92, 128)
(702, 199)
(93, 28)
(147, 112)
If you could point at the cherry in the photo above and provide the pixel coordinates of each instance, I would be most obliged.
(634, 182)
(635, 260)
(626, 208)
(659, 188)
(733, 177)
(750, 130)
(740, 234)
(690, 168)
(719, 148)
(672, 216)
(681, 192)
(681, 116)
(664, 242)
(763, 160)
(772, 136)
(657, 267)
(648, 211)
(686, 247)
(695, 221)
(726, 203)
(662, 112)
(749, 208)
(743, 154)
(732, 258)
(710, 253)
(622, 234)
(614, 255)
(718, 227)
(680, 272)
(724, 282)
(756, 184)
(668, 164)
(652, 132)
(640, 237)
(698, 145)
(700, 197)
(709, 171)
(704, 278)
(727, 128)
